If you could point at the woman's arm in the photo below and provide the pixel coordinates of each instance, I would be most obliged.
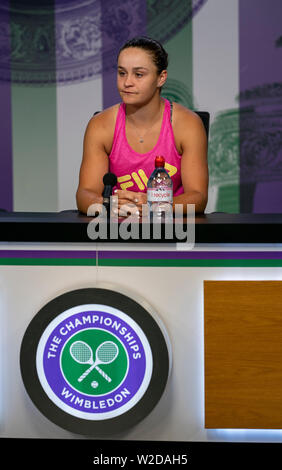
(95, 163)
(191, 136)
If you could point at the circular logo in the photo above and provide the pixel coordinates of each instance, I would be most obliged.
(94, 361)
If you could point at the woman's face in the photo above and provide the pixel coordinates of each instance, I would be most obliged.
(138, 78)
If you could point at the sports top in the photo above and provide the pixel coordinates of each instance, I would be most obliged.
(133, 169)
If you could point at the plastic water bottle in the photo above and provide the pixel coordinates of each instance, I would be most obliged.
(160, 191)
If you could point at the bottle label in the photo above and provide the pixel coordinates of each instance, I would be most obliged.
(159, 195)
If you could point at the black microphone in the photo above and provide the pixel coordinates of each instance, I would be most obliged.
(109, 180)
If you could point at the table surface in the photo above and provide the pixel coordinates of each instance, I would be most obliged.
(71, 226)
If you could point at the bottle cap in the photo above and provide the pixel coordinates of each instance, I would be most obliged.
(159, 161)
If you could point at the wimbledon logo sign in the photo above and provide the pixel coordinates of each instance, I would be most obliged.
(91, 367)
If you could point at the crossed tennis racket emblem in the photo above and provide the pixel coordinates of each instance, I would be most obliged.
(82, 353)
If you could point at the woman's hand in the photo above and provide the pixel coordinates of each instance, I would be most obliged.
(130, 202)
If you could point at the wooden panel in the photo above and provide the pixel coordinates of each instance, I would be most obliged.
(243, 354)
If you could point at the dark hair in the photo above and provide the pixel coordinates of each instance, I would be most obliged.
(159, 55)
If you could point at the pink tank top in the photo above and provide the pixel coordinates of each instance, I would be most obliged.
(133, 169)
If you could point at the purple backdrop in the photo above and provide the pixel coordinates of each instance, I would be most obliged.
(120, 21)
(260, 105)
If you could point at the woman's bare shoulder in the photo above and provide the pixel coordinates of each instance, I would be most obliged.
(187, 127)
(104, 120)
(183, 115)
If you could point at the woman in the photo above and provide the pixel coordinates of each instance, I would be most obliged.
(126, 138)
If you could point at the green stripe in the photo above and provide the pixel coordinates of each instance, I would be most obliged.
(179, 86)
(34, 148)
(34, 110)
(140, 262)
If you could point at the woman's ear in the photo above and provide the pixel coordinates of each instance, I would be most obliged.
(162, 78)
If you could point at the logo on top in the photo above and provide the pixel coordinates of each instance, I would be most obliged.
(140, 178)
